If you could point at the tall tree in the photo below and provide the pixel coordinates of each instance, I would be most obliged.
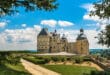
(102, 9)
(101, 38)
(8, 7)
(107, 35)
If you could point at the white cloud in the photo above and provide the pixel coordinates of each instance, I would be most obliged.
(23, 25)
(91, 34)
(37, 27)
(3, 24)
(88, 17)
(51, 23)
(19, 39)
(89, 7)
(100, 23)
(65, 23)
(26, 39)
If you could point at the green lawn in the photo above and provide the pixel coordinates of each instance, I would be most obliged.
(9, 69)
(69, 69)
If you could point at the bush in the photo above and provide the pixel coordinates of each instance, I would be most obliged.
(47, 59)
(36, 61)
(86, 59)
(78, 59)
(55, 59)
(63, 59)
(99, 73)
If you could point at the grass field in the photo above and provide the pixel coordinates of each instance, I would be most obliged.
(69, 69)
(9, 69)
(10, 64)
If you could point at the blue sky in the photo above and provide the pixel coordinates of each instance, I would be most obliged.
(68, 11)
(70, 16)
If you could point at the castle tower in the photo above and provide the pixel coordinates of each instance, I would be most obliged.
(64, 42)
(43, 40)
(82, 45)
(55, 42)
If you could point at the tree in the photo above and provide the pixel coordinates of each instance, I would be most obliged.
(9, 7)
(102, 9)
(107, 35)
(104, 37)
(101, 38)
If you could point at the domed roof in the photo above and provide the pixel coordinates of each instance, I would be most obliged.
(81, 36)
(64, 37)
(55, 33)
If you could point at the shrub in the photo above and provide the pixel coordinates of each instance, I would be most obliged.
(78, 59)
(86, 59)
(36, 61)
(55, 59)
(47, 59)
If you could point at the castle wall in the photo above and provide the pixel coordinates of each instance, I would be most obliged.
(71, 47)
(52, 43)
(55, 44)
(43, 43)
(82, 47)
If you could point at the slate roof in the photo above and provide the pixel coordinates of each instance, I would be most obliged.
(81, 37)
(44, 31)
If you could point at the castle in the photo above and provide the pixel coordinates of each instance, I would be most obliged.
(53, 43)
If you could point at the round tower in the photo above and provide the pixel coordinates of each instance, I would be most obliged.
(82, 43)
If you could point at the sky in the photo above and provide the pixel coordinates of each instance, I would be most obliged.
(19, 31)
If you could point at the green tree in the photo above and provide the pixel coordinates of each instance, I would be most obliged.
(101, 38)
(102, 9)
(9, 7)
(107, 35)
(104, 37)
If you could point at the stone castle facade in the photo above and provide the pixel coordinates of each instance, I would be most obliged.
(53, 43)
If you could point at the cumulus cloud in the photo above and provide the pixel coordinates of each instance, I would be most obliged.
(19, 39)
(88, 7)
(51, 23)
(37, 27)
(26, 39)
(23, 25)
(88, 17)
(91, 34)
(100, 23)
(2, 24)
(65, 23)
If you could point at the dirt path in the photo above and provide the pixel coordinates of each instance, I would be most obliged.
(36, 69)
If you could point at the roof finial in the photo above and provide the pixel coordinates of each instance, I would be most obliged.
(81, 30)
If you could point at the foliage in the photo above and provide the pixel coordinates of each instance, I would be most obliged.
(106, 54)
(11, 6)
(98, 73)
(36, 61)
(10, 64)
(5, 70)
(78, 59)
(104, 36)
(102, 9)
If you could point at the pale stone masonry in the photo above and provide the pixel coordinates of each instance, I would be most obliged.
(53, 43)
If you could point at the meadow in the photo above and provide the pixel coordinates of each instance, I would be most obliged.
(10, 64)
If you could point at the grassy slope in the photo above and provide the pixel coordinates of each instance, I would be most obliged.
(9, 69)
(69, 69)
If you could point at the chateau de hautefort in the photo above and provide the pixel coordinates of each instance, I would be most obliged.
(51, 42)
